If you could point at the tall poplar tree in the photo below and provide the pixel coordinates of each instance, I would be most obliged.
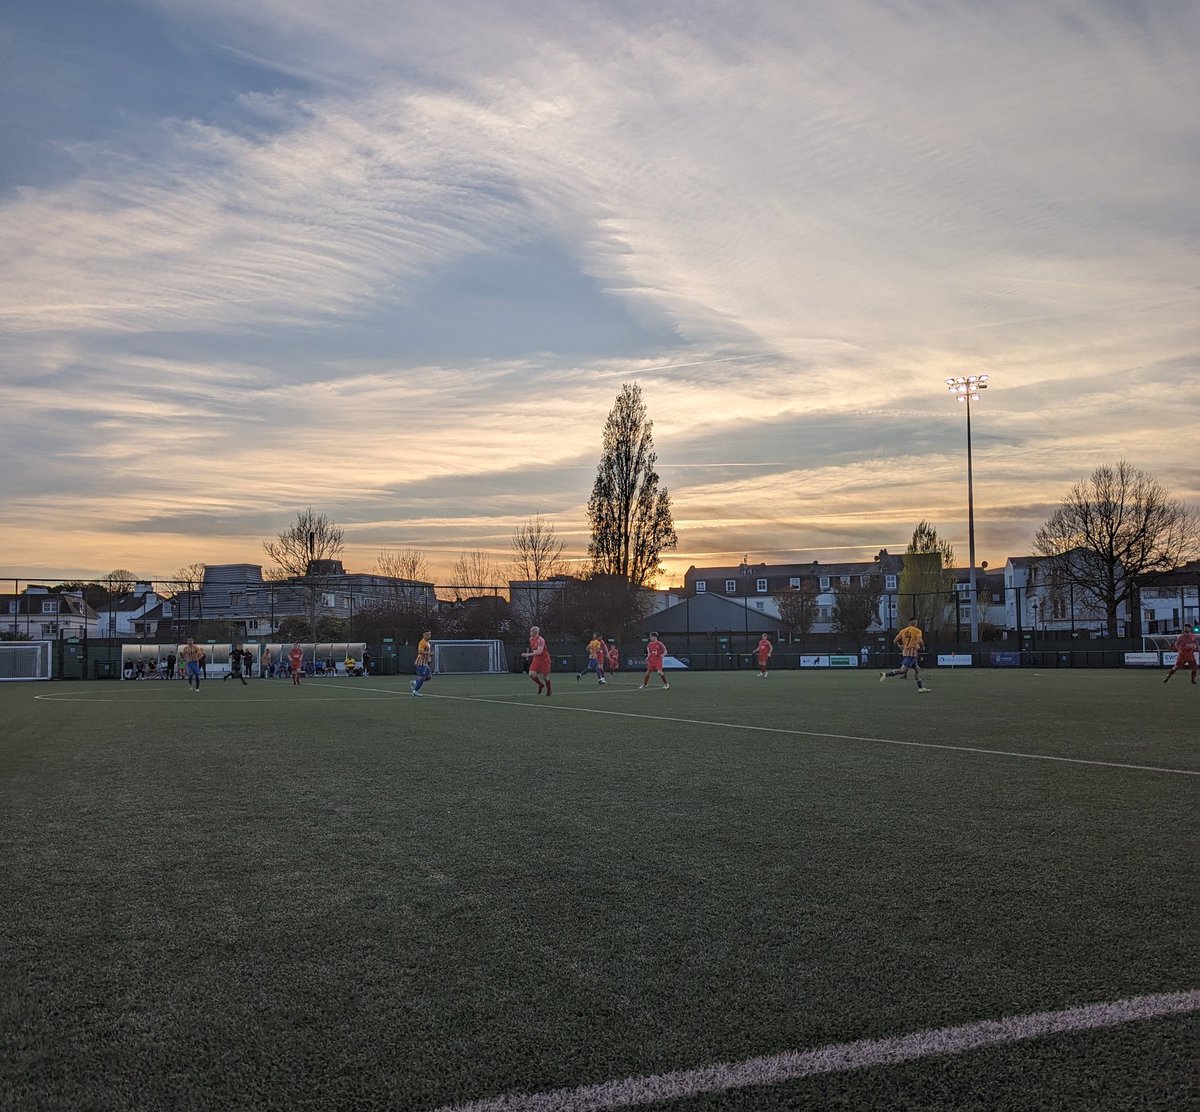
(927, 580)
(630, 514)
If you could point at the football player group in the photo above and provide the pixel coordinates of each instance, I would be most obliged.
(606, 657)
(602, 657)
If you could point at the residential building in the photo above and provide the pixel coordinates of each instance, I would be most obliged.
(1170, 601)
(137, 615)
(1038, 599)
(238, 594)
(42, 614)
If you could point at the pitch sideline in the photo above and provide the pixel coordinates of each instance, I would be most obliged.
(838, 1058)
(508, 702)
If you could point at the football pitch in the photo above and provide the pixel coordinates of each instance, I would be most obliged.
(813, 891)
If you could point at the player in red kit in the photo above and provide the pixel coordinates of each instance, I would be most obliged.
(296, 663)
(539, 659)
(1185, 646)
(763, 651)
(655, 651)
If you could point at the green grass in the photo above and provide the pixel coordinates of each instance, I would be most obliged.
(339, 896)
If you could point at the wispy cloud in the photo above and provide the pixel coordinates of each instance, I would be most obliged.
(791, 223)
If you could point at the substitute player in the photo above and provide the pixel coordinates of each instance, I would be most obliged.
(911, 641)
(596, 654)
(655, 651)
(424, 663)
(1185, 646)
(539, 659)
(763, 652)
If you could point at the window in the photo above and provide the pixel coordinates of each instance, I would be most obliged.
(1058, 609)
(47, 629)
(50, 606)
(760, 585)
(794, 582)
(824, 613)
(731, 586)
(760, 606)
(844, 580)
(889, 582)
(14, 607)
(824, 583)
(701, 586)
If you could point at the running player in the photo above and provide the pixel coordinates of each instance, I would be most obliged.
(911, 642)
(296, 663)
(424, 660)
(596, 653)
(236, 660)
(539, 659)
(190, 655)
(763, 652)
(1185, 646)
(655, 651)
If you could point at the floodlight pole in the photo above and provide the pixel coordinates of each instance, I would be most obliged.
(966, 389)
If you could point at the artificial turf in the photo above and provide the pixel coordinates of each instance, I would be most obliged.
(339, 896)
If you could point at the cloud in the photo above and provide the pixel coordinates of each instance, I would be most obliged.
(423, 247)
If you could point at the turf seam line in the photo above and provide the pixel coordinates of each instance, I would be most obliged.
(837, 1058)
(817, 733)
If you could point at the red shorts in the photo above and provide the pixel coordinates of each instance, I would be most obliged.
(1185, 659)
(654, 665)
(762, 662)
(540, 664)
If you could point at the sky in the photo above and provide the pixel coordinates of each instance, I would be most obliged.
(395, 260)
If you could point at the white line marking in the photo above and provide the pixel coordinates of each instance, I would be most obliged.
(817, 733)
(839, 1058)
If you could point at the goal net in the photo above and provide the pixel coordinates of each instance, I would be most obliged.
(25, 660)
(461, 658)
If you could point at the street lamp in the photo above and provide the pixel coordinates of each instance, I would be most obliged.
(966, 389)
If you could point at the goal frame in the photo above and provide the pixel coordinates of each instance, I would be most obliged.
(39, 653)
(497, 661)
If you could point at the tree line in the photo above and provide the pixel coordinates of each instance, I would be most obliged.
(1114, 528)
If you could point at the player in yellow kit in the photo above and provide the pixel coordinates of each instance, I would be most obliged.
(911, 641)
(597, 651)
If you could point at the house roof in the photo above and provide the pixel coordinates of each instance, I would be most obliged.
(702, 613)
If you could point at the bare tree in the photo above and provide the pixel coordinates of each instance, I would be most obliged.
(410, 567)
(537, 555)
(189, 576)
(313, 538)
(120, 581)
(404, 563)
(1113, 527)
(474, 574)
(630, 515)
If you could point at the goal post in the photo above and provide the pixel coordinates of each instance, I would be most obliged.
(25, 660)
(468, 658)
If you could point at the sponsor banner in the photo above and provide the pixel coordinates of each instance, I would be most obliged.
(954, 660)
(1141, 660)
(814, 662)
(638, 663)
(1169, 659)
(844, 661)
(1005, 659)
